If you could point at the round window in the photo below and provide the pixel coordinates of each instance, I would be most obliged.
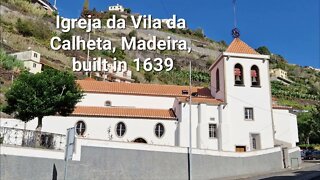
(159, 130)
(120, 129)
(80, 128)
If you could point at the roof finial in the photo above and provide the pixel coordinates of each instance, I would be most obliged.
(235, 30)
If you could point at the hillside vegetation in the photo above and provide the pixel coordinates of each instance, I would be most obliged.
(25, 26)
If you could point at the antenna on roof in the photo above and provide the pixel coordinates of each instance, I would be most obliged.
(235, 31)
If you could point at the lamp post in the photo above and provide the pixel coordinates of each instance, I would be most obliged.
(190, 129)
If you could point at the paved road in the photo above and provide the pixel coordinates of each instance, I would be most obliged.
(309, 171)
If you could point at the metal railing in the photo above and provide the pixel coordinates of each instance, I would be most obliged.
(29, 138)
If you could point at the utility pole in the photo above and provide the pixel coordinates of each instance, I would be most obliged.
(88, 56)
(190, 128)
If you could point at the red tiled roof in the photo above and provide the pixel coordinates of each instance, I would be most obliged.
(281, 107)
(124, 112)
(238, 46)
(140, 89)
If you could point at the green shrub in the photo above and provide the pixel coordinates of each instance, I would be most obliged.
(199, 33)
(9, 62)
(26, 6)
(36, 29)
(24, 28)
(149, 76)
(119, 54)
(66, 35)
(133, 33)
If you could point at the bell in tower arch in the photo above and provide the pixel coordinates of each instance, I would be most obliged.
(238, 79)
(254, 79)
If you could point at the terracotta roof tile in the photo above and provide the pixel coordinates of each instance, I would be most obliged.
(281, 107)
(238, 46)
(140, 89)
(124, 112)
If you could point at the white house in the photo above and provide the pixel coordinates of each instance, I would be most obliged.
(117, 7)
(123, 75)
(46, 5)
(280, 75)
(31, 60)
(235, 114)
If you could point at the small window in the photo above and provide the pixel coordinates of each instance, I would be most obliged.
(212, 119)
(217, 80)
(120, 129)
(35, 55)
(80, 128)
(255, 77)
(238, 74)
(212, 130)
(34, 65)
(107, 103)
(159, 130)
(248, 113)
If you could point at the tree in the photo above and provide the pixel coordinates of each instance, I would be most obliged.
(309, 124)
(263, 50)
(43, 94)
(127, 10)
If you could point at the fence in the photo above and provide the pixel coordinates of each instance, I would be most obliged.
(29, 138)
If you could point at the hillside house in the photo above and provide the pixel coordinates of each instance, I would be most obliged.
(280, 75)
(117, 7)
(31, 60)
(46, 5)
(121, 76)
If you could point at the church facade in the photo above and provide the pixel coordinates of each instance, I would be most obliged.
(235, 114)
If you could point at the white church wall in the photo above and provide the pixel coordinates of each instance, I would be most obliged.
(97, 128)
(150, 102)
(286, 127)
(201, 115)
(240, 97)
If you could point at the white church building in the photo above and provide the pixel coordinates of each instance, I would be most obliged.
(234, 114)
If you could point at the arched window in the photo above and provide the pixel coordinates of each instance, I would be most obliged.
(80, 128)
(120, 129)
(255, 76)
(238, 74)
(107, 103)
(217, 80)
(159, 130)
